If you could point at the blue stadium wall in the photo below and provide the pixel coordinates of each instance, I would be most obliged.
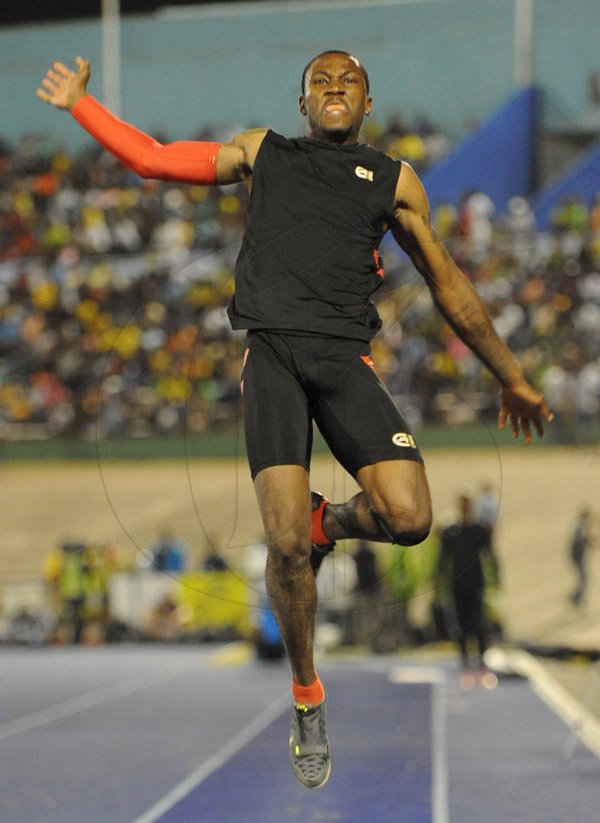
(497, 159)
(581, 180)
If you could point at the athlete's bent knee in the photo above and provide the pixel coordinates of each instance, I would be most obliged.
(411, 538)
(401, 532)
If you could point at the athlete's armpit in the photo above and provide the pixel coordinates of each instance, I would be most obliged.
(412, 229)
(236, 158)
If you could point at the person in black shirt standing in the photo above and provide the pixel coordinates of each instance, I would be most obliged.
(305, 275)
(464, 548)
(580, 543)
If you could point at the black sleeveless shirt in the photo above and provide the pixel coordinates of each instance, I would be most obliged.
(309, 261)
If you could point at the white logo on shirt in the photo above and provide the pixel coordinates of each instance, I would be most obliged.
(364, 174)
(404, 439)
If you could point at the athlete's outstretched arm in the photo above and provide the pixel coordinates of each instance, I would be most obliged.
(185, 161)
(459, 303)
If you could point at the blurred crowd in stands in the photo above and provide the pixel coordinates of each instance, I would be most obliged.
(542, 290)
(113, 293)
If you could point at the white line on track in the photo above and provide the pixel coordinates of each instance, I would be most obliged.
(92, 699)
(583, 723)
(439, 756)
(216, 761)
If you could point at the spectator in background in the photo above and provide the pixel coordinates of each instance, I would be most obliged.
(336, 584)
(475, 224)
(519, 228)
(570, 215)
(595, 217)
(368, 578)
(214, 561)
(78, 575)
(367, 594)
(167, 620)
(265, 635)
(168, 553)
(581, 540)
(487, 506)
(27, 626)
(465, 547)
(72, 584)
(487, 512)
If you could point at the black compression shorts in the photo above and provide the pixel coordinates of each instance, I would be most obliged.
(290, 380)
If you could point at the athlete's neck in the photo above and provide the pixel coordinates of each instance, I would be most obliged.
(335, 138)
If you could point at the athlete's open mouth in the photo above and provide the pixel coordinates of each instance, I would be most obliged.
(332, 107)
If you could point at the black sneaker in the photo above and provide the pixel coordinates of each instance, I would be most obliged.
(319, 550)
(309, 748)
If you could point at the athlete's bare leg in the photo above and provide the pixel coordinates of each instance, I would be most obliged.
(397, 493)
(283, 494)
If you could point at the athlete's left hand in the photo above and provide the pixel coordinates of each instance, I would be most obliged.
(523, 405)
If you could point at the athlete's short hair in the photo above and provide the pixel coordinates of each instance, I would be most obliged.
(336, 51)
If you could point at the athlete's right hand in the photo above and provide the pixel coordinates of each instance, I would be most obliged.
(62, 87)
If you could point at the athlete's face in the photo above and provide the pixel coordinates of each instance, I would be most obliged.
(335, 98)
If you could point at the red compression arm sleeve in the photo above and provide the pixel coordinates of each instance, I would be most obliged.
(186, 161)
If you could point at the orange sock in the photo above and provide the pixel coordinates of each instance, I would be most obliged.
(317, 535)
(312, 695)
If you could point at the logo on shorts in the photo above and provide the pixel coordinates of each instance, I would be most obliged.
(405, 440)
(364, 174)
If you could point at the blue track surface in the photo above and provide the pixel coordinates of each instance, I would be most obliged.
(504, 761)
(381, 749)
(117, 735)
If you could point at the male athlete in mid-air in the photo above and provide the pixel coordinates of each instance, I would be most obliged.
(305, 274)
